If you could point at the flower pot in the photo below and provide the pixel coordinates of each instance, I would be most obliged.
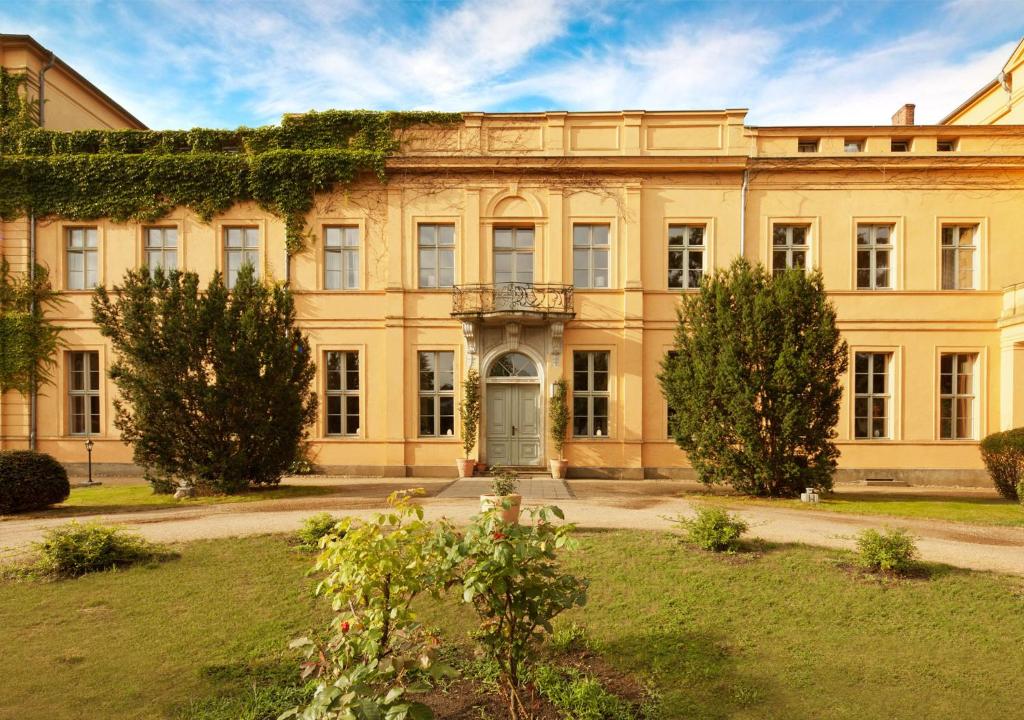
(509, 504)
(558, 467)
(481, 468)
(465, 467)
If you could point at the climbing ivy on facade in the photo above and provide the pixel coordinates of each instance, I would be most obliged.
(141, 175)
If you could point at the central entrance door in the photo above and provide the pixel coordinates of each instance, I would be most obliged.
(513, 412)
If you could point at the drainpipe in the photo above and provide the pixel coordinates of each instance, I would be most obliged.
(743, 213)
(32, 395)
(42, 88)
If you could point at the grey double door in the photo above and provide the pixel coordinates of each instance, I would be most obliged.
(513, 424)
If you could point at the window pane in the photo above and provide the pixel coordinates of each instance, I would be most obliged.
(579, 416)
(947, 236)
(600, 361)
(426, 416)
(799, 259)
(447, 415)
(580, 278)
(446, 370)
(676, 234)
(965, 276)
(524, 237)
(696, 236)
(90, 268)
(94, 371)
(351, 269)
(332, 237)
(779, 260)
(599, 234)
(964, 420)
(428, 235)
(524, 267)
(445, 234)
(581, 235)
(503, 237)
(799, 235)
(234, 237)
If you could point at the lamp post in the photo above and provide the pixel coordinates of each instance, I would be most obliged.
(88, 449)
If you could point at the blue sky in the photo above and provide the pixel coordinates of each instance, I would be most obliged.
(185, 63)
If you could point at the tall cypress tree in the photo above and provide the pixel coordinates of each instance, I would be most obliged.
(214, 386)
(754, 381)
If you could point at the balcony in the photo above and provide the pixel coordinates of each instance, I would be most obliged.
(513, 301)
(1013, 303)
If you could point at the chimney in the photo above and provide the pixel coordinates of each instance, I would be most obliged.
(904, 116)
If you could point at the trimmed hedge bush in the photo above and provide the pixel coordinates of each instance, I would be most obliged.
(713, 529)
(315, 527)
(75, 549)
(30, 481)
(1003, 453)
(893, 551)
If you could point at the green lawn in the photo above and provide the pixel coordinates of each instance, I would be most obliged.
(957, 508)
(129, 498)
(788, 632)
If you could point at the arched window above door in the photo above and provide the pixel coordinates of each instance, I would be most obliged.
(513, 364)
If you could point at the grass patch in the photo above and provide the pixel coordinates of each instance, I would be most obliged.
(955, 508)
(133, 498)
(789, 634)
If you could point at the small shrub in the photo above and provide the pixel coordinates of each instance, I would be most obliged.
(505, 482)
(893, 551)
(580, 697)
(30, 481)
(315, 527)
(75, 549)
(569, 638)
(1003, 454)
(713, 529)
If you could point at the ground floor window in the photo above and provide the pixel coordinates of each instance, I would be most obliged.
(342, 392)
(871, 395)
(956, 396)
(437, 393)
(84, 392)
(590, 393)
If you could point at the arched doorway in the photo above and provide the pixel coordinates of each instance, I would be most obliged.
(513, 414)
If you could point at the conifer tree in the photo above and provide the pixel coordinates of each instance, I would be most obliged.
(214, 386)
(754, 380)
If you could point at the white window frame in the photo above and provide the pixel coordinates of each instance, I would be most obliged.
(954, 395)
(514, 251)
(870, 395)
(591, 250)
(955, 250)
(873, 247)
(436, 393)
(347, 251)
(344, 392)
(853, 145)
(248, 252)
(590, 394)
(87, 393)
(88, 251)
(686, 248)
(438, 251)
(162, 249)
(790, 247)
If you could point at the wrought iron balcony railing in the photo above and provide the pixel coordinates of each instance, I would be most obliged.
(521, 299)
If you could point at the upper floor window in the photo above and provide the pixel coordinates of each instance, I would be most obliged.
(898, 145)
(874, 257)
(590, 393)
(82, 258)
(241, 247)
(790, 245)
(871, 395)
(590, 256)
(161, 248)
(341, 258)
(853, 145)
(513, 255)
(342, 392)
(956, 396)
(807, 146)
(437, 393)
(946, 145)
(437, 255)
(959, 248)
(685, 255)
(84, 392)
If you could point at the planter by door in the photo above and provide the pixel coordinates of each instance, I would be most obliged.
(465, 467)
(510, 514)
(558, 468)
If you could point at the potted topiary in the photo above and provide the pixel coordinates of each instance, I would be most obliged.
(558, 414)
(470, 422)
(503, 495)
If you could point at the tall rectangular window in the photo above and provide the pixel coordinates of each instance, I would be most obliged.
(437, 393)
(341, 258)
(513, 255)
(959, 248)
(84, 392)
(82, 254)
(241, 247)
(685, 256)
(871, 395)
(874, 257)
(342, 392)
(437, 255)
(956, 396)
(590, 394)
(161, 248)
(590, 256)
(790, 245)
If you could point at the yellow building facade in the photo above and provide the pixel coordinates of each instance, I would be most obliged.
(540, 246)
